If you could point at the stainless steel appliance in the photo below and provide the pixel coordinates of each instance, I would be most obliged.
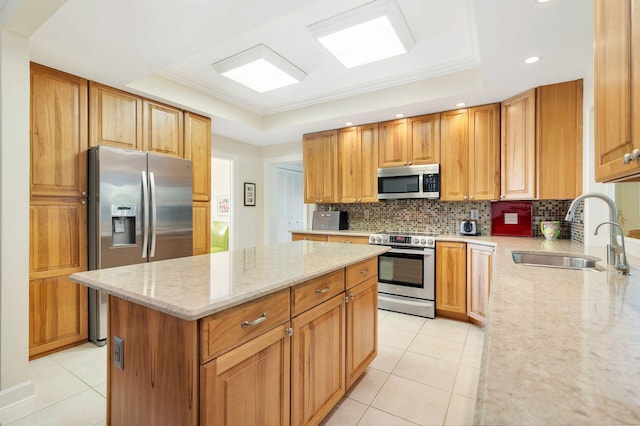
(406, 273)
(409, 182)
(469, 227)
(140, 210)
(333, 220)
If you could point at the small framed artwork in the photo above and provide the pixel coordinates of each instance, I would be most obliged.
(223, 205)
(249, 194)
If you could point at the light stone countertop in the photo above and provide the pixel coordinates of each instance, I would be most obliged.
(194, 287)
(561, 346)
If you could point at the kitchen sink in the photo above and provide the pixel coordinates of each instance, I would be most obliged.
(556, 260)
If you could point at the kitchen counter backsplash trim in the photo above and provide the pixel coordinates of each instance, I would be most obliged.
(419, 215)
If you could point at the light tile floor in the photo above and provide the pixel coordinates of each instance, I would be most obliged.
(426, 373)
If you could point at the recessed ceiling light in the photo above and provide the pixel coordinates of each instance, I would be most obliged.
(348, 123)
(260, 69)
(399, 115)
(543, 1)
(461, 104)
(366, 34)
(532, 60)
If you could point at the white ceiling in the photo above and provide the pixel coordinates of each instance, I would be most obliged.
(466, 51)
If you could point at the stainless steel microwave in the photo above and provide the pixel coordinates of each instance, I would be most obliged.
(409, 182)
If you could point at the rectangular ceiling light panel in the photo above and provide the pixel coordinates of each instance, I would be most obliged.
(366, 34)
(260, 69)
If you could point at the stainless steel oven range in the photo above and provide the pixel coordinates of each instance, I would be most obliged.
(406, 273)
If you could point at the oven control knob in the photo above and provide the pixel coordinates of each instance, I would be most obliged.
(416, 241)
(372, 239)
(423, 241)
(378, 240)
(430, 241)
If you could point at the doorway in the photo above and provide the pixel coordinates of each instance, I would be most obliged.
(286, 203)
(222, 196)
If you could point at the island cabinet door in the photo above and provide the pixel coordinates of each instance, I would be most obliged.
(249, 385)
(318, 360)
(362, 328)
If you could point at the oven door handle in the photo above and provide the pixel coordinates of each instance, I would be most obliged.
(424, 252)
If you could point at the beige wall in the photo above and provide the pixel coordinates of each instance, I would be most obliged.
(14, 218)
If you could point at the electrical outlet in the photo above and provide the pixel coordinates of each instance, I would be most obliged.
(366, 213)
(118, 352)
(474, 215)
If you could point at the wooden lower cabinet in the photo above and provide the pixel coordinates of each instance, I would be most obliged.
(318, 361)
(451, 278)
(362, 328)
(201, 227)
(479, 269)
(250, 384)
(347, 239)
(57, 314)
(308, 237)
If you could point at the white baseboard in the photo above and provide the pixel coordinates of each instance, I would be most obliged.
(16, 393)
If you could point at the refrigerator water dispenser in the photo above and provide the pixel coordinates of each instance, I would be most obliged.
(123, 224)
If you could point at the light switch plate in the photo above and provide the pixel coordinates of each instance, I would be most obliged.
(474, 215)
(118, 352)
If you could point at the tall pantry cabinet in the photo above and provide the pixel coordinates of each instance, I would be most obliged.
(58, 210)
(69, 115)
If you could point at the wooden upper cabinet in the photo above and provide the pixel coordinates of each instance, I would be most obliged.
(392, 142)
(163, 129)
(115, 117)
(617, 88)
(59, 136)
(320, 165)
(518, 147)
(197, 148)
(559, 140)
(484, 152)
(357, 158)
(423, 139)
(454, 155)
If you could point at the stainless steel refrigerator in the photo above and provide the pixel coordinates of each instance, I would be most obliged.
(140, 210)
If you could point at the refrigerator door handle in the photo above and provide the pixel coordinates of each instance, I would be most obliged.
(152, 185)
(145, 204)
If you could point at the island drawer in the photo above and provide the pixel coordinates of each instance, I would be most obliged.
(226, 330)
(362, 271)
(315, 291)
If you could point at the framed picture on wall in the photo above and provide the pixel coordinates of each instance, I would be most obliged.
(249, 194)
(223, 205)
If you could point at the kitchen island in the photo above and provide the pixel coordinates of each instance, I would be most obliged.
(275, 333)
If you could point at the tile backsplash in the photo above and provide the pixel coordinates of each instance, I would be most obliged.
(423, 215)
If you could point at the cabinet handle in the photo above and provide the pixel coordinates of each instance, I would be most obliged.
(364, 271)
(471, 197)
(84, 193)
(626, 159)
(635, 154)
(322, 290)
(307, 239)
(289, 331)
(346, 242)
(346, 299)
(256, 321)
(501, 196)
(83, 202)
(410, 163)
(464, 197)
(351, 296)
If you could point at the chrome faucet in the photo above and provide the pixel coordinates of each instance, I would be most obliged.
(621, 254)
(612, 248)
